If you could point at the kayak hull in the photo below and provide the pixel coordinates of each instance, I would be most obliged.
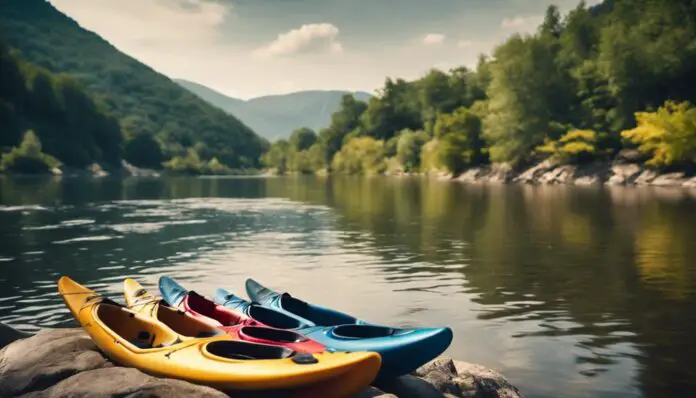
(212, 361)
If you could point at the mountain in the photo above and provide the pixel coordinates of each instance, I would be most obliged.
(276, 116)
(145, 102)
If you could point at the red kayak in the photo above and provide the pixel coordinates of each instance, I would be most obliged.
(232, 322)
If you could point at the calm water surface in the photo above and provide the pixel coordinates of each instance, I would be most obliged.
(570, 292)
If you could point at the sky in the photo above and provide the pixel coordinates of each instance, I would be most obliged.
(251, 48)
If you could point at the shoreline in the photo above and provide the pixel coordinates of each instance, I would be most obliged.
(616, 173)
(65, 362)
(597, 174)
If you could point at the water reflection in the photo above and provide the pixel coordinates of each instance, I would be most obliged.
(583, 291)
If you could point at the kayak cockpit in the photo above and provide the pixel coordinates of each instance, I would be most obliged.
(318, 315)
(185, 325)
(140, 332)
(273, 318)
(362, 331)
(275, 335)
(234, 349)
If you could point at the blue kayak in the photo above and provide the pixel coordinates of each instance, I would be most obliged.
(403, 350)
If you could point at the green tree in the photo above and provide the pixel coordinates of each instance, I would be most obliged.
(278, 156)
(529, 98)
(343, 122)
(408, 148)
(460, 142)
(361, 155)
(142, 150)
(302, 139)
(28, 157)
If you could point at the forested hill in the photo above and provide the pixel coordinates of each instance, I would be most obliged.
(275, 116)
(147, 104)
(72, 127)
(584, 86)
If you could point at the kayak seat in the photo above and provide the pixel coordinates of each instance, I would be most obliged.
(277, 335)
(234, 349)
(362, 331)
(273, 318)
(318, 315)
(143, 340)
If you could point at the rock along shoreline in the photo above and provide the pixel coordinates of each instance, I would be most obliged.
(58, 363)
(609, 174)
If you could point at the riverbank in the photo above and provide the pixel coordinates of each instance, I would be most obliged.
(66, 363)
(616, 173)
(611, 174)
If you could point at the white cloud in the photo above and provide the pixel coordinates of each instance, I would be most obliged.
(521, 22)
(433, 38)
(321, 37)
(135, 25)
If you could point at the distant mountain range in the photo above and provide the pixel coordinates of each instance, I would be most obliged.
(276, 116)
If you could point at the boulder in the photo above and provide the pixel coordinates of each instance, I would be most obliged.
(587, 180)
(41, 361)
(646, 177)
(66, 363)
(479, 381)
(121, 382)
(9, 334)
(532, 175)
(474, 174)
(690, 183)
(622, 174)
(559, 175)
(669, 180)
(501, 173)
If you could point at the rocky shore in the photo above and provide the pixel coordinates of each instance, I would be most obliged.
(59, 363)
(626, 174)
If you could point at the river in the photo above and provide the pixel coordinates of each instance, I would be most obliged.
(569, 291)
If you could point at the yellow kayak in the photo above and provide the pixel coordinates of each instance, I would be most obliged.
(139, 341)
(143, 303)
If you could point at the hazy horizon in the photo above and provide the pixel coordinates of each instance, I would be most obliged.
(246, 49)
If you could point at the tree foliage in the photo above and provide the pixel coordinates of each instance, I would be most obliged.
(28, 157)
(667, 135)
(360, 155)
(408, 148)
(575, 147)
(70, 124)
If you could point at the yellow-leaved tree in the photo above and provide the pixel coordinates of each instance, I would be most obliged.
(668, 135)
(575, 146)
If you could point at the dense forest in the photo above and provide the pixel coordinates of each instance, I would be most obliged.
(584, 86)
(53, 110)
(160, 122)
